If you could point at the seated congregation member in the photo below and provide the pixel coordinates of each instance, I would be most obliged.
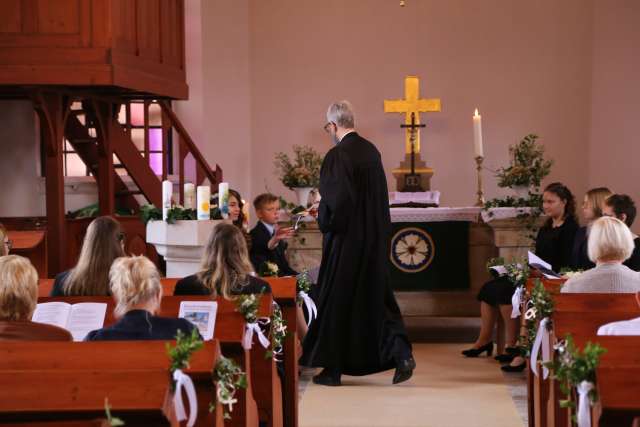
(267, 238)
(225, 269)
(610, 244)
(18, 300)
(136, 289)
(592, 209)
(554, 243)
(236, 214)
(6, 243)
(622, 207)
(103, 243)
(623, 327)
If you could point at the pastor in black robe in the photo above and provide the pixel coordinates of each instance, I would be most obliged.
(359, 328)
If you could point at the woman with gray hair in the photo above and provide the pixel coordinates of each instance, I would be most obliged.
(610, 244)
(135, 286)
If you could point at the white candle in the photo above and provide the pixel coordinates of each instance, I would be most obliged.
(204, 200)
(167, 193)
(223, 199)
(189, 196)
(477, 134)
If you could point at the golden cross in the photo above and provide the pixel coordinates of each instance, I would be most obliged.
(412, 104)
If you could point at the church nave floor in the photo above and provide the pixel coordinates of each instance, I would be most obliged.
(446, 390)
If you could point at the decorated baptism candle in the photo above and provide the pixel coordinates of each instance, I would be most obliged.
(204, 200)
(189, 196)
(167, 193)
(223, 199)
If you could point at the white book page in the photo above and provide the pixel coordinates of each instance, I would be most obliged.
(202, 314)
(537, 261)
(500, 269)
(85, 317)
(52, 313)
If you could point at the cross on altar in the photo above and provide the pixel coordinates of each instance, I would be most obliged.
(412, 104)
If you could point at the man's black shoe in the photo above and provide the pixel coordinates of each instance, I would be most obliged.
(404, 370)
(327, 377)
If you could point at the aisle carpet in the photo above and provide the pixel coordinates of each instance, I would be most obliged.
(446, 390)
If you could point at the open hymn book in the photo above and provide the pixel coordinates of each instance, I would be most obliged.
(79, 319)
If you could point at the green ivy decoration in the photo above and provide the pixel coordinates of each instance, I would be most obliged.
(179, 355)
(176, 213)
(228, 378)
(527, 167)
(278, 332)
(571, 366)
(539, 305)
(303, 284)
(150, 213)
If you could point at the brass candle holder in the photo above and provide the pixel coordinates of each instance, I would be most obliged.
(480, 201)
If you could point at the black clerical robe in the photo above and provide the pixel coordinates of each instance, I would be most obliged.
(359, 329)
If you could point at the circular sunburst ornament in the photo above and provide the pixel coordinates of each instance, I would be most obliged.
(412, 250)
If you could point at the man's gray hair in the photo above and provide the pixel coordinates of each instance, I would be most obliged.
(341, 113)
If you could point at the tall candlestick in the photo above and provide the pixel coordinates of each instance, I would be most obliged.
(167, 193)
(204, 202)
(477, 134)
(189, 196)
(223, 199)
(480, 201)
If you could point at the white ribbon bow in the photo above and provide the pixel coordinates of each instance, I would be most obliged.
(542, 338)
(516, 300)
(312, 310)
(247, 339)
(584, 414)
(183, 380)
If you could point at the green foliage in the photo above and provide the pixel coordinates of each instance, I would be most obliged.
(528, 167)
(571, 366)
(539, 305)
(228, 378)
(248, 305)
(179, 355)
(303, 284)
(113, 421)
(528, 220)
(301, 171)
(178, 213)
(517, 272)
(150, 213)
(278, 332)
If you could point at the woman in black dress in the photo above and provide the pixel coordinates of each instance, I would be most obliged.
(554, 244)
(225, 270)
(592, 209)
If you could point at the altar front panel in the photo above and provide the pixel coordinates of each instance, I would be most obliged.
(429, 256)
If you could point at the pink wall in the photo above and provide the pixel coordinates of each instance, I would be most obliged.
(526, 65)
(615, 146)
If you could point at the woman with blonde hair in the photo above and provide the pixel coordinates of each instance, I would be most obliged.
(103, 243)
(593, 206)
(610, 244)
(6, 243)
(225, 270)
(136, 289)
(18, 300)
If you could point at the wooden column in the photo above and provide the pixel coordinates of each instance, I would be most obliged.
(106, 171)
(52, 109)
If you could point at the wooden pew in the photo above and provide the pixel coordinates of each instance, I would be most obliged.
(33, 245)
(72, 380)
(264, 384)
(284, 293)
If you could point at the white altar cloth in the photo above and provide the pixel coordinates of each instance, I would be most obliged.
(466, 214)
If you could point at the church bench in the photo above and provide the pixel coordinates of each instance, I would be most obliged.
(72, 380)
(31, 244)
(264, 383)
(619, 396)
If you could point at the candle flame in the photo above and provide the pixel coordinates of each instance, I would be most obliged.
(476, 113)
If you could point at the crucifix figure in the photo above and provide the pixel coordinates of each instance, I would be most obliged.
(413, 170)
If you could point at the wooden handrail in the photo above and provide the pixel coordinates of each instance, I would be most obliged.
(214, 177)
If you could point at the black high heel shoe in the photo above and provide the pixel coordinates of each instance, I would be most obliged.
(475, 352)
(516, 368)
(510, 353)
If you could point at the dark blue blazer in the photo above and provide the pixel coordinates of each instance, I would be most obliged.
(260, 252)
(141, 325)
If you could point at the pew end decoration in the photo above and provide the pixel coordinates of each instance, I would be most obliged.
(248, 305)
(228, 378)
(517, 273)
(575, 369)
(179, 356)
(268, 269)
(303, 287)
(111, 420)
(278, 333)
(537, 315)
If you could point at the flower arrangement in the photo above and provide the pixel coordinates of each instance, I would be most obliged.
(528, 166)
(228, 378)
(517, 272)
(269, 269)
(539, 305)
(571, 367)
(179, 355)
(301, 171)
(278, 332)
(248, 305)
(303, 284)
